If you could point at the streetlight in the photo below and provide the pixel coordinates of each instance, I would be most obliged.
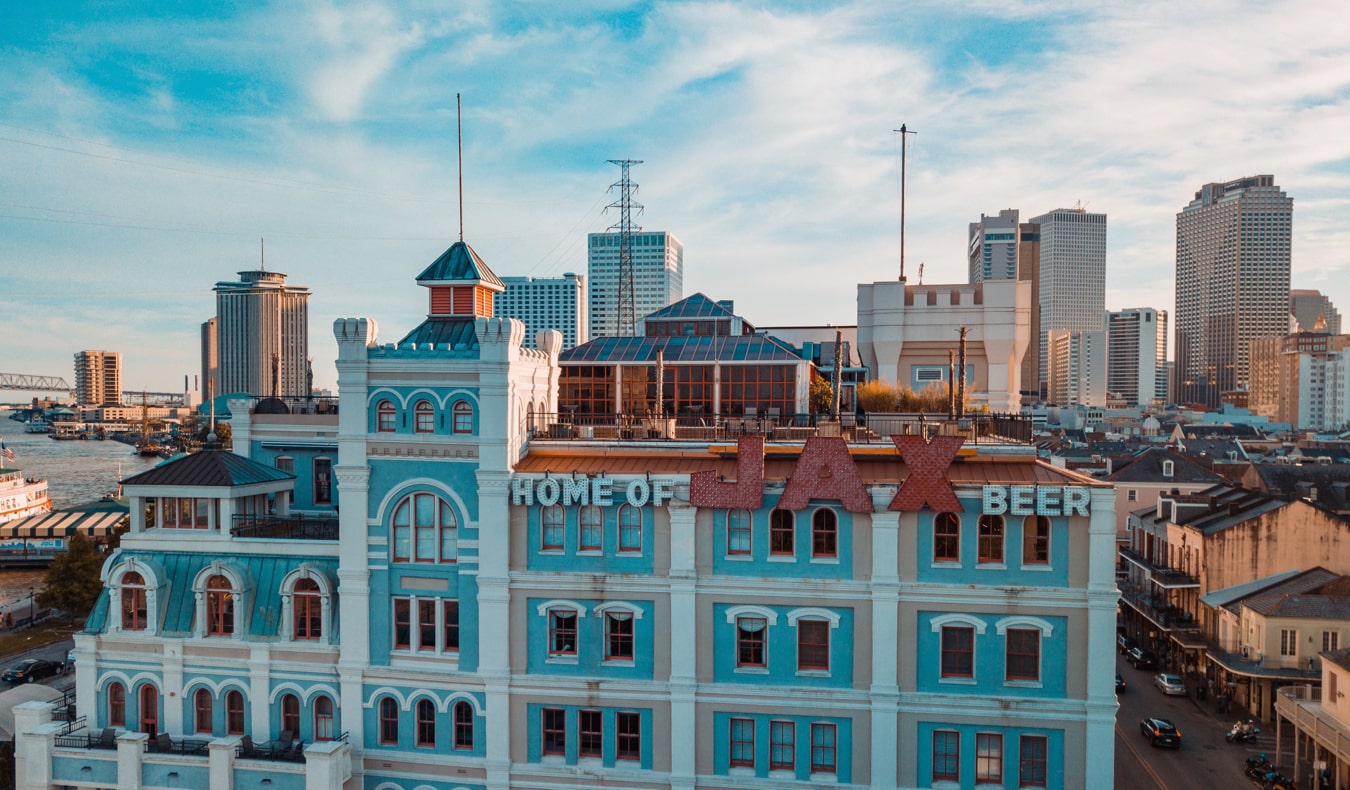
(31, 611)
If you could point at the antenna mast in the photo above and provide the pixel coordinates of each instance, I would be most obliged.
(904, 134)
(625, 317)
(459, 133)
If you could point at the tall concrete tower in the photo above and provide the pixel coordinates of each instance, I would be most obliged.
(1233, 257)
(262, 335)
(98, 378)
(1071, 275)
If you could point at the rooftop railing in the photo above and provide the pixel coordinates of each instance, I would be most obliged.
(297, 526)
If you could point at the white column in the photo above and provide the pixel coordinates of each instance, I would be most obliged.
(683, 646)
(172, 667)
(221, 763)
(885, 691)
(34, 737)
(259, 680)
(130, 749)
(494, 620)
(1099, 735)
(327, 765)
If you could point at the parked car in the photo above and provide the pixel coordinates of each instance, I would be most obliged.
(1120, 683)
(1169, 684)
(30, 670)
(1142, 659)
(1125, 644)
(1161, 732)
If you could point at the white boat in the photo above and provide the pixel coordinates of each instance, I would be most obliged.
(21, 497)
(36, 425)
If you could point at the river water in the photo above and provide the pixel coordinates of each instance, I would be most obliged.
(77, 473)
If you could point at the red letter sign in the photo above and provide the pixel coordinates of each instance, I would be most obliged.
(826, 471)
(927, 483)
(705, 490)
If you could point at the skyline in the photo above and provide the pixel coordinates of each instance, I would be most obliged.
(133, 145)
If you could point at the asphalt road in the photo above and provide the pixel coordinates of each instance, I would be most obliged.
(1205, 760)
(54, 652)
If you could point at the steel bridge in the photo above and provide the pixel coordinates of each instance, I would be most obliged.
(23, 381)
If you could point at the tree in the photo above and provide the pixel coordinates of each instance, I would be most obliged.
(822, 395)
(876, 397)
(72, 584)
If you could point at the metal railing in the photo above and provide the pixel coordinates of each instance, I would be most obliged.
(275, 751)
(107, 739)
(297, 526)
(163, 744)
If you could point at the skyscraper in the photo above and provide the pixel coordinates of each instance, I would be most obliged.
(1075, 368)
(546, 303)
(1136, 367)
(1002, 248)
(658, 277)
(1307, 307)
(262, 335)
(1233, 243)
(98, 378)
(1071, 274)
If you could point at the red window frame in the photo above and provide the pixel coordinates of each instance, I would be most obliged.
(403, 624)
(751, 643)
(201, 712)
(989, 757)
(307, 610)
(740, 532)
(389, 721)
(813, 645)
(450, 625)
(117, 705)
(234, 712)
(619, 628)
(958, 651)
(462, 416)
(590, 733)
(1023, 654)
(630, 528)
(946, 756)
(424, 418)
(134, 610)
(1036, 540)
(742, 736)
(562, 632)
(627, 736)
(590, 528)
(290, 714)
(1033, 761)
(824, 533)
(946, 537)
(323, 719)
(149, 697)
(463, 715)
(426, 624)
(552, 522)
(781, 529)
(426, 723)
(992, 533)
(219, 606)
(824, 748)
(385, 417)
(554, 726)
(782, 745)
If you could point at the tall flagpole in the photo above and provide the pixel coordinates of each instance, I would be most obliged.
(904, 133)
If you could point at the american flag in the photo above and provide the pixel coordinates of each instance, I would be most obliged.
(5, 451)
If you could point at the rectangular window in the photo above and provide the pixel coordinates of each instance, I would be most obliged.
(630, 528)
(323, 481)
(946, 538)
(782, 745)
(780, 532)
(426, 624)
(1132, 495)
(589, 521)
(813, 645)
(1331, 640)
(1036, 540)
(590, 733)
(1288, 642)
(823, 749)
(555, 731)
(946, 756)
(629, 740)
(402, 624)
(958, 651)
(990, 540)
(551, 526)
(1032, 761)
(562, 632)
(742, 743)
(750, 641)
(450, 624)
(738, 532)
(619, 636)
(988, 757)
(1024, 654)
(824, 533)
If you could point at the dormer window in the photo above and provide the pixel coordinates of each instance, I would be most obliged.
(1167, 468)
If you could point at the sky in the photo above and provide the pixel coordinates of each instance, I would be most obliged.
(147, 149)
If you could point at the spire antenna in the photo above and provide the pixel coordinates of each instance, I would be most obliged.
(459, 129)
(262, 253)
(904, 133)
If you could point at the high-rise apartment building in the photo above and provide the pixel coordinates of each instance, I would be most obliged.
(1302, 379)
(546, 303)
(1002, 248)
(1071, 274)
(1309, 307)
(1136, 365)
(1233, 257)
(658, 277)
(262, 335)
(98, 378)
(1075, 368)
(210, 362)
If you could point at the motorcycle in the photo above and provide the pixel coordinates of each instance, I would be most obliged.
(1258, 766)
(1242, 732)
(1277, 781)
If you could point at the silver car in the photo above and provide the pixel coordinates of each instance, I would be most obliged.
(1169, 684)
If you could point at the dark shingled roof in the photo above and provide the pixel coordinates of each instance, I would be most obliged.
(1147, 468)
(1340, 658)
(216, 468)
(1332, 483)
(443, 331)
(695, 306)
(1273, 604)
(459, 264)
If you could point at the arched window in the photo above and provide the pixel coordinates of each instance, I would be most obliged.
(824, 533)
(307, 609)
(946, 538)
(990, 544)
(425, 530)
(389, 720)
(201, 711)
(219, 606)
(463, 725)
(738, 532)
(323, 718)
(630, 528)
(149, 709)
(133, 602)
(551, 527)
(384, 417)
(590, 526)
(780, 532)
(463, 416)
(117, 705)
(1036, 540)
(290, 716)
(234, 712)
(424, 418)
(426, 723)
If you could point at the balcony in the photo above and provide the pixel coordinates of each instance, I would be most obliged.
(1302, 706)
(1254, 665)
(292, 527)
(1161, 575)
(1163, 614)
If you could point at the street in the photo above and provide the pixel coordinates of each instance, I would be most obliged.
(1205, 760)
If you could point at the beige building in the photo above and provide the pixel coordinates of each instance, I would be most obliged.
(98, 378)
(1321, 720)
(1301, 379)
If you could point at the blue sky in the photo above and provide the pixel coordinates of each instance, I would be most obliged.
(145, 148)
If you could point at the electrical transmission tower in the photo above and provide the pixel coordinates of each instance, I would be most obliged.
(626, 314)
